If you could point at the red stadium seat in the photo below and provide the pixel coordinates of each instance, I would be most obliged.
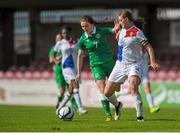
(86, 76)
(9, 74)
(172, 75)
(2, 76)
(178, 76)
(19, 75)
(52, 75)
(46, 75)
(28, 75)
(162, 75)
(153, 75)
(36, 75)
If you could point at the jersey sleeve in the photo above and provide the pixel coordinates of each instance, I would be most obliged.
(59, 53)
(81, 43)
(107, 30)
(57, 46)
(51, 52)
(141, 36)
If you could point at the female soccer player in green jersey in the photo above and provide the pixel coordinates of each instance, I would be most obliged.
(101, 60)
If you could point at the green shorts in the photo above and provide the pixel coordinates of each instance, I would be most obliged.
(60, 81)
(102, 71)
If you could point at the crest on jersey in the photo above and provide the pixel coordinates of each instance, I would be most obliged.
(97, 75)
(98, 36)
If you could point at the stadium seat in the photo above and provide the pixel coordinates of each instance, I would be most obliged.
(172, 75)
(9, 74)
(36, 75)
(46, 75)
(86, 75)
(162, 75)
(19, 75)
(2, 75)
(178, 76)
(153, 75)
(52, 75)
(28, 75)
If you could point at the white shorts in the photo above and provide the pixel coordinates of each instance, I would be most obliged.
(121, 72)
(69, 74)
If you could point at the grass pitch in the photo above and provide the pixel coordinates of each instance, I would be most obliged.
(43, 119)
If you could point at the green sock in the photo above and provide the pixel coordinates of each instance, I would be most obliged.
(74, 104)
(106, 107)
(60, 98)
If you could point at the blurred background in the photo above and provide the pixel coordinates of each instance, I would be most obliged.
(28, 29)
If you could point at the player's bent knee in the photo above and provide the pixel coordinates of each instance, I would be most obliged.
(107, 92)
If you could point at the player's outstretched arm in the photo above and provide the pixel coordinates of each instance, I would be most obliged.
(151, 54)
(79, 63)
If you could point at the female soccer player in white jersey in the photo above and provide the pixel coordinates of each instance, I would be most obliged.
(129, 63)
(59, 78)
(67, 47)
(145, 81)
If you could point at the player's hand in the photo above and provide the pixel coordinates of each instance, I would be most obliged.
(56, 61)
(155, 66)
(116, 27)
(78, 77)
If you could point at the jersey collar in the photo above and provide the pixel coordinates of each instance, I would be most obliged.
(93, 32)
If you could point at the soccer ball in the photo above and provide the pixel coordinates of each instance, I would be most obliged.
(66, 113)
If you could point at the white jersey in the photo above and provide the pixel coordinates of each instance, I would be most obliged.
(130, 55)
(68, 50)
(129, 45)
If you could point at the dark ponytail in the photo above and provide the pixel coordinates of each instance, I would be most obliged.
(139, 22)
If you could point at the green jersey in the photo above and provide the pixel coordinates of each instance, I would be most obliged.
(52, 51)
(97, 46)
(58, 71)
(58, 66)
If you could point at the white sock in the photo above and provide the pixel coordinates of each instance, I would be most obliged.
(138, 105)
(150, 100)
(102, 97)
(112, 99)
(66, 98)
(77, 99)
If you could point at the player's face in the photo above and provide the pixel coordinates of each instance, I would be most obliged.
(65, 34)
(122, 21)
(58, 37)
(87, 27)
